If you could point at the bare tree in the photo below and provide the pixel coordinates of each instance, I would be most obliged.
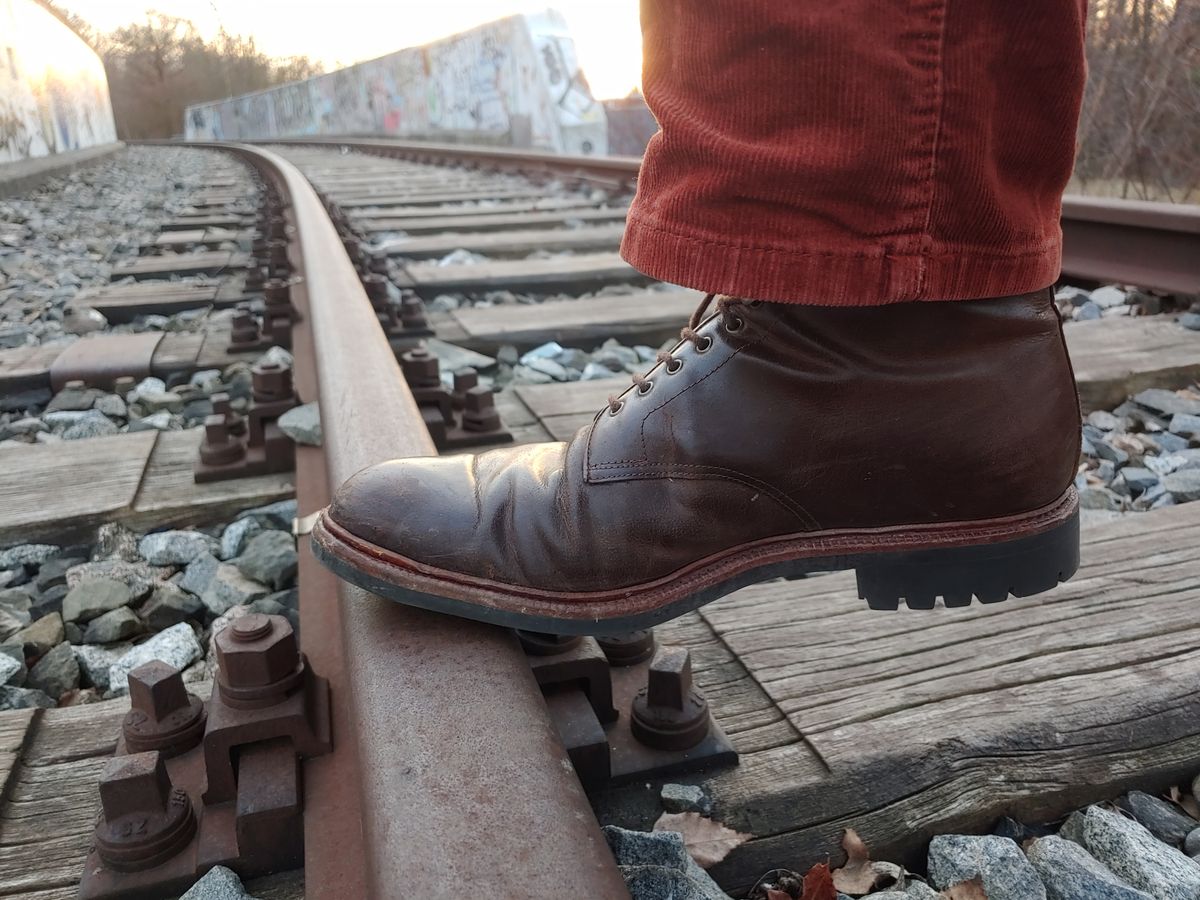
(1140, 127)
(159, 67)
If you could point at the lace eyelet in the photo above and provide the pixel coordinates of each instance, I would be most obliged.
(704, 344)
(674, 366)
(733, 324)
(644, 388)
(613, 410)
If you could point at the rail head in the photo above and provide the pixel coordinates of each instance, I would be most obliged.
(465, 786)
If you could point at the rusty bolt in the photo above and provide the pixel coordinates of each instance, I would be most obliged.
(376, 288)
(124, 385)
(270, 381)
(420, 368)
(464, 380)
(219, 446)
(412, 313)
(668, 713)
(628, 649)
(479, 410)
(259, 661)
(537, 643)
(277, 291)
(223, 406)
(163, 715)
(144, 820)
(245, 327)
(277, 253)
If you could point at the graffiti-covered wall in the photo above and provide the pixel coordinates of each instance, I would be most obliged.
(515, 82)
(53, 93)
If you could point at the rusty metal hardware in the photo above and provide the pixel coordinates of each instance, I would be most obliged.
(628, 649)
(464, 380)
(228, 792)
(621, 716)
(577, 664)
(220, 447)
(234, 447)
(234, 420)
(669, 713)
(249, 334)
(144, 818)
(480, 420)
(537, 643)
(163, 716)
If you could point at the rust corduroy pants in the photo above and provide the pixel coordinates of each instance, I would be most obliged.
(857, 152)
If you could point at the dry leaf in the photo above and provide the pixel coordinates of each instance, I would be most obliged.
(966, 890)
(1185, 801)
(861, 876)
(818, 884)
(707, 841)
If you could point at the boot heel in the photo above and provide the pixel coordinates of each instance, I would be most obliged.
(991, 572)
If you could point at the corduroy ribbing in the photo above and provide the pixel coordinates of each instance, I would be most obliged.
(857, 153)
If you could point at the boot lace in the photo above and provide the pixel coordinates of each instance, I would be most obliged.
(702, 342)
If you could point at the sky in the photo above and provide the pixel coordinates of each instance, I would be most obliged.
(342, 32)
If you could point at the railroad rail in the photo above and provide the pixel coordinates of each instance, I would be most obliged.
(432, 708)
(1152, 245)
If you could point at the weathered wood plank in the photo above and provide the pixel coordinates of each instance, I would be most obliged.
(169, 494)
(28, 367)
(123, 303)
(177, 352)
(433, 198)
(945, 720)
(1117, 357)
(482, 221)
(508, 243)
(641, 317)
(453, 211)
(68, 485)
(207, 262)
(583, 271)
(192, 221)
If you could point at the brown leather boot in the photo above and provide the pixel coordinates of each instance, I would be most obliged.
(930, 446)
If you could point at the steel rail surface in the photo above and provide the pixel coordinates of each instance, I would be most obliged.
(465, 788)
(1151, 245)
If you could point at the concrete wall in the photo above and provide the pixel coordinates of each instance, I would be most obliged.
(514, 82)
(53, 92)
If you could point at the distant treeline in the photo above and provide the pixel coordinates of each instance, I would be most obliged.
(158, 67)
(1139, 136)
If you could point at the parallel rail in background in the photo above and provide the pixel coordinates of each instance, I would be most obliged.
(1151, 245)
(446, 769)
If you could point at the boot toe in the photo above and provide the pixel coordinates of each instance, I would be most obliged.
(414, 507)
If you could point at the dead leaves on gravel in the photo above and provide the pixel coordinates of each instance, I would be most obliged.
(859, 877)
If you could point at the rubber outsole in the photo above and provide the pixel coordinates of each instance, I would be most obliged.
(1018, 556)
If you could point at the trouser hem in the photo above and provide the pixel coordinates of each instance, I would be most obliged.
(826, 277)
